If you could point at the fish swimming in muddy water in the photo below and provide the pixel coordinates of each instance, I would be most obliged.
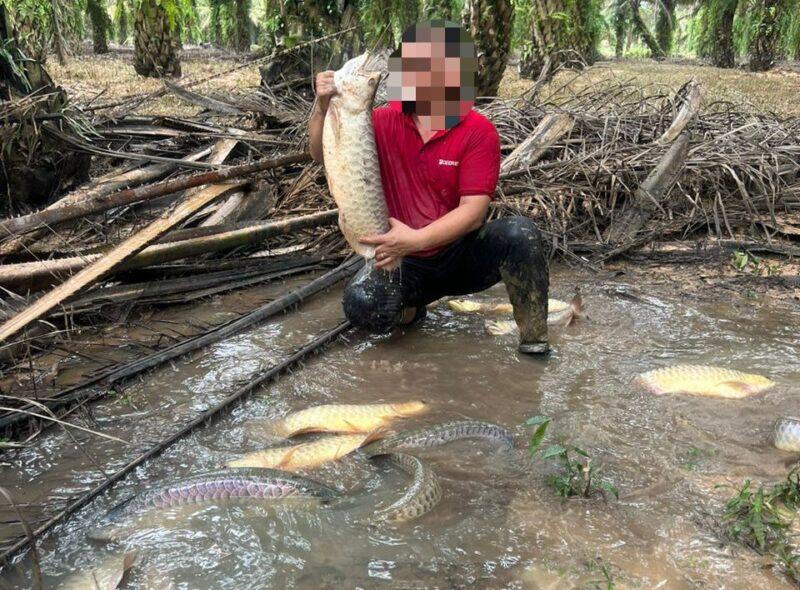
(703, 380)
(348, 418)
(440, 434)
(213, 487)
(786, 435)
(559, 313)
(422, 495)
(307, 455)
(350, 155)
(106, 576)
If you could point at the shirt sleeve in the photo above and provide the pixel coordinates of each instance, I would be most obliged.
(479, 168)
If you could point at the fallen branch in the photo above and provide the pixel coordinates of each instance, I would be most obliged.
(552, 127)
(82, 392)
(648, 197)
(30, 274)
(117, 256)
(206, 102)
(103, 187)
(685, 115)
(27, 223)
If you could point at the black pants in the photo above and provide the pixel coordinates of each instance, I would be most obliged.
(510, 249)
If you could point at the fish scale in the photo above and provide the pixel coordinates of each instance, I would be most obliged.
(440, 434)
(703, 380)
(350, 418)
(351, 156)
(420, 497)
(786, 435)
(209, 487)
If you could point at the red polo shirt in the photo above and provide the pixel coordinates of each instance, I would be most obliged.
(424, 181)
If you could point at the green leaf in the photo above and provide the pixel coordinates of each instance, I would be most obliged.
(553, 451)
(538, 435)
(610, 489)
(536, 420)
(580, 451)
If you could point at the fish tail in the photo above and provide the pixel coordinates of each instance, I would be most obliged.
(576, 304)
(270, 428)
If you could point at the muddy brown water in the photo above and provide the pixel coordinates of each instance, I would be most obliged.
(499, 525)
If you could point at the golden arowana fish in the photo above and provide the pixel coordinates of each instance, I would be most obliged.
(703, 380)
(559, 313)
(307, 455)
(350, 418)
(350, 155)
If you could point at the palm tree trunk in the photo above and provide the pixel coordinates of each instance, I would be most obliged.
(620, 20)
(100, 22)
(121, 21)
(665, 24)
(241, 41)
(563, 30)
(155, 40)
(763, 47)
(491, 24)
(719, 32)
(656, 51)
(58, 39)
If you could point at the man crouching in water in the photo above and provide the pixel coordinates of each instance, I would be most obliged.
(439, 163)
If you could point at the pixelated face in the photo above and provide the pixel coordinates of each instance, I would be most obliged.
(433, 73)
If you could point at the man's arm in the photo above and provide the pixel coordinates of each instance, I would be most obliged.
(325, 89)
(402, 240)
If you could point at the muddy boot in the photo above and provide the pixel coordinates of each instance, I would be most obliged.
(526, 276)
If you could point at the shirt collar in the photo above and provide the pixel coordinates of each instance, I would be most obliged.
(397, 105)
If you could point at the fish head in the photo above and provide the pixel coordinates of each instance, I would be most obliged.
(411, 408)
(356, 83)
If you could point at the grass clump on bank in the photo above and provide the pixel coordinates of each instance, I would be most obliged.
(762, 519)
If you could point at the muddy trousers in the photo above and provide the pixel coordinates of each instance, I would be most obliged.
(510, 249)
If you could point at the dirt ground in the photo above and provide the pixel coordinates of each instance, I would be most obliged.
(107, 78)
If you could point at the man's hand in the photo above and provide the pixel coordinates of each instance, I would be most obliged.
(324, 89)
(399, 241)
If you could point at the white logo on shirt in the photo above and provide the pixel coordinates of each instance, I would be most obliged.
(448, 162)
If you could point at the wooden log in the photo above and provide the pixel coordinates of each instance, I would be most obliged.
(649, 196)
(117, 256)
(28, 273)
(103, 187)
(27, 223)
(685, 115)
(208, 103)
(550, 129)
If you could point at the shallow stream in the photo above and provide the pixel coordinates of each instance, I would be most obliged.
(499, 524)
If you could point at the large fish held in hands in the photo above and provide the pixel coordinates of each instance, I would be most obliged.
(350, 155)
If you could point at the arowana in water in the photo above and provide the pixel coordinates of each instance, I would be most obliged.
(307, 455)
(703, 380)
(348, 418)
(786, 435)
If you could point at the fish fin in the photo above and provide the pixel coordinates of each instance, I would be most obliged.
(333, 113)
(286, 460)
(577, 305)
